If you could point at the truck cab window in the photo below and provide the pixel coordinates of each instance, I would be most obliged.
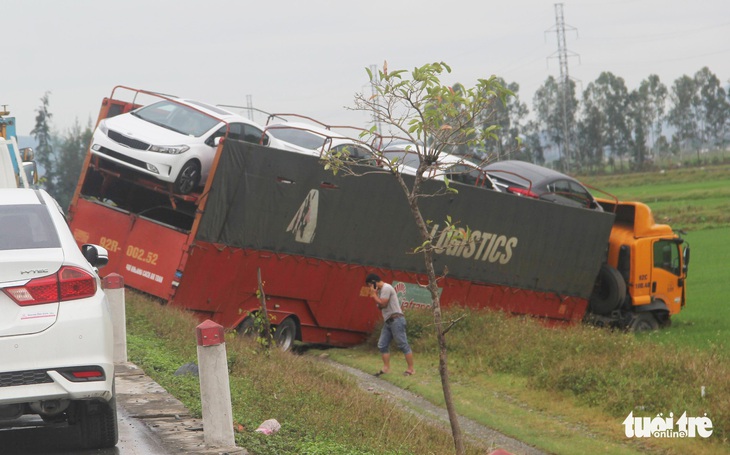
(666, 256)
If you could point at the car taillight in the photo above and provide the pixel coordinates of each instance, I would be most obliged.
(87, 374)
(522, 192)
(69, 283)
(83, 374)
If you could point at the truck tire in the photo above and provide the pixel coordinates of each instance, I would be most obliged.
(188, 179)
(609, 292)
(246, 327)
(286, 334)
(643, 322)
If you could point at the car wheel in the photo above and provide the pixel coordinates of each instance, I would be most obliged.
(285, 334)
(96, 422)
(643, 322)
(188, 179)
(609, 291)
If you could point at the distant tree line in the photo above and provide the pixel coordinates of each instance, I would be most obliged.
(611, 127)
(59, 156)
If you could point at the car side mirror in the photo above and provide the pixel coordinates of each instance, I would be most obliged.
(96, 255)
(31, 172)
(217, 141)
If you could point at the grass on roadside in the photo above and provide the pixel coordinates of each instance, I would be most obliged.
(322, 411)
(568, 389)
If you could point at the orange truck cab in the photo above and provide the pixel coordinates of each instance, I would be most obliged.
(645, 272)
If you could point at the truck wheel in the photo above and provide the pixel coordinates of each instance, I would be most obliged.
(609, 291)
(285, 334)
(246, 327)
(664, 321)
(643, 322)
(188, 179)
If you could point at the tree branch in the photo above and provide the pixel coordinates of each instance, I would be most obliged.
(453, 323)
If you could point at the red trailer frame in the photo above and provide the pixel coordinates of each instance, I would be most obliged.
(326, 298)
(147, 253)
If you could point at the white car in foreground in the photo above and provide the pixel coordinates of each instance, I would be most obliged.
(55, 327)
(173, 140)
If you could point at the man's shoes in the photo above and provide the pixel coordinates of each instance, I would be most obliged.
(377, 375)
(409, 373)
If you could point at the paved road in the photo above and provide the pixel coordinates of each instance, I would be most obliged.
(31, 436)
(151, 422)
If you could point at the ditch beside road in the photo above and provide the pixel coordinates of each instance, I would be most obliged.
(153, 422)
(179, 433)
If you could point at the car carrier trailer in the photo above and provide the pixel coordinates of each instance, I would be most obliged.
(314, 237)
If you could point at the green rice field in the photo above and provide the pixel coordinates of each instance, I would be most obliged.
(696, 200)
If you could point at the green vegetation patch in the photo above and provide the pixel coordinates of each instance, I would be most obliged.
(691, 198)
(594, 378)
(321, 410)
(704, 324)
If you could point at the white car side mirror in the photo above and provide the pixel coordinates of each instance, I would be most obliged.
(96, 255)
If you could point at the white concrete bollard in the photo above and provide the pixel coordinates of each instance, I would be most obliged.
(215, 391)
(114, 290)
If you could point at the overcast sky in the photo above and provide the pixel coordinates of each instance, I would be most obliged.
(309, 56)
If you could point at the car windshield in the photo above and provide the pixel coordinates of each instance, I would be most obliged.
(177, 117)
(297, 136)
(463, 173)
(409, 158)
(27, 227)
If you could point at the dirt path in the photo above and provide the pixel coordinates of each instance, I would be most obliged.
(475, 432)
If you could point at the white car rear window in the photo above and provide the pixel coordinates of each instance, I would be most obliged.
(27, 227)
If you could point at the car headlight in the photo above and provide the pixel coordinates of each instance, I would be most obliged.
(103, 128)
(169, 149)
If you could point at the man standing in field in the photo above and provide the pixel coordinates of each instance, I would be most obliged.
(395, 323)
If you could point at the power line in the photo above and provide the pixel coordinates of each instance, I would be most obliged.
(563, 53)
